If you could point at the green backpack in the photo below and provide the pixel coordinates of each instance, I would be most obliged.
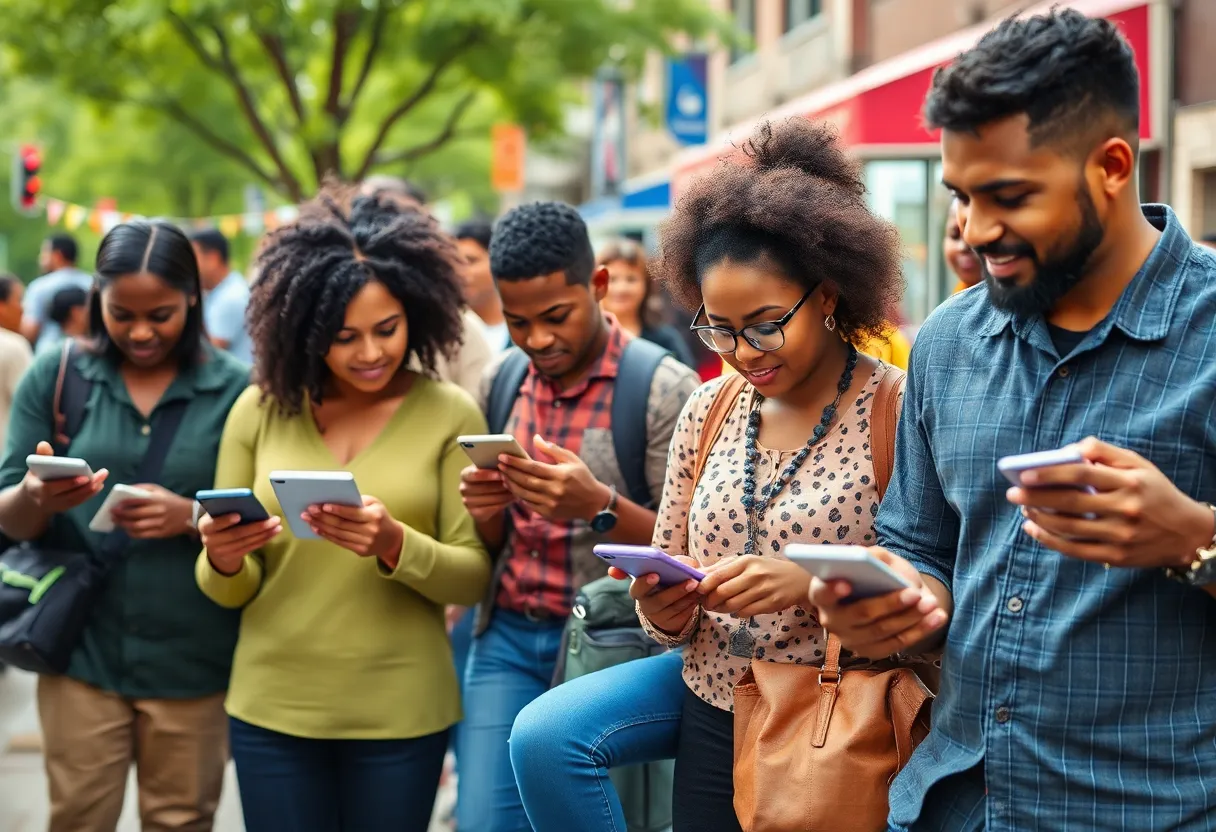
(602, 632)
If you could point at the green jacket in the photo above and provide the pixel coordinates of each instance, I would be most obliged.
(153, 634)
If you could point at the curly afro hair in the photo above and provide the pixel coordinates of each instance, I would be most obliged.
(796, 200)
(310, 270)
(538, 239)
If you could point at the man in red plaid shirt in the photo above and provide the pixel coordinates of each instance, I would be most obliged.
(543, 516)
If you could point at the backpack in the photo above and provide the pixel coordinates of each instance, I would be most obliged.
(630, 404)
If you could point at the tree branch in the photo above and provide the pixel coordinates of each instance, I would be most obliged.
(424, 89)
(344, 26)
(273, 45)
(249, 108)
(193, 41)
(445, 135)
(369, 58)
(179, 114)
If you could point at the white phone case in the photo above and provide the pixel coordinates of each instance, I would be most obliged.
(484, 450)
(865, 573)
(47, 468)
(102, 521)
(297, 490)
(1013, 466)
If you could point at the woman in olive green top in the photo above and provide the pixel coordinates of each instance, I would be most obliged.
(145, 685)
(343, 689)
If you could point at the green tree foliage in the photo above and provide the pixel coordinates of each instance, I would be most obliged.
(285, 93)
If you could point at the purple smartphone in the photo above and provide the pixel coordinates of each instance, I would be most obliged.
(644, 560)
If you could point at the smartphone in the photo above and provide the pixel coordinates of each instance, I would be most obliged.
(868, 576)
(103, 520)
(47, 468)
(484, 449)
(637, 561)
(1013, 466)
(220, 502)
(297, 490)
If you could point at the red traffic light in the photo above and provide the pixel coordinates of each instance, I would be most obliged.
(27, 181)
(31, 159)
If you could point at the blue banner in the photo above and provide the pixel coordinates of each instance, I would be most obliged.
(688, 98)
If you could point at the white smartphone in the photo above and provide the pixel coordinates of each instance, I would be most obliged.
(485, 449)
(103, 520)
(47, 468)
(867, 575)
(1014, 466)
(297, 490)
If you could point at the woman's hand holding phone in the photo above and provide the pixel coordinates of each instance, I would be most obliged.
(667, 609)
(164, 514)
(227, 541)
(56, 496)
(752, 585)
(368, 530)
(484, 493)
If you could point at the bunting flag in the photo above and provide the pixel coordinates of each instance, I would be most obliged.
(103, 220)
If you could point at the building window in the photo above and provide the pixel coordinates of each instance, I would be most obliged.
(744, 13)
(798, 12)
(899, 191)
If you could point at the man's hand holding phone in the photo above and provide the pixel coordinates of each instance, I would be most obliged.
(1113, 507)
(877, 627)
(670, 609)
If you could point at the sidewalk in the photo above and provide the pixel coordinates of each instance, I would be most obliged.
(23, 800)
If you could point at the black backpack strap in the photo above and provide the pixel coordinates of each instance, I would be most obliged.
(504, 389)
(71, 398)
(630, 406)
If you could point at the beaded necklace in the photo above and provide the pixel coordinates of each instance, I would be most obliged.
(742, 642)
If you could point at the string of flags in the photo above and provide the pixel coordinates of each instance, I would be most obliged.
(101, 220)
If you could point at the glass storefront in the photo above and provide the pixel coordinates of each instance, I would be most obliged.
(908, 192)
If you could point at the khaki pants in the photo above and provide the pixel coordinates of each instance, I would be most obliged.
(91, 738)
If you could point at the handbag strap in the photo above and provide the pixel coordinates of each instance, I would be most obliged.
(165, 422)
(715, 418)
(884, 418)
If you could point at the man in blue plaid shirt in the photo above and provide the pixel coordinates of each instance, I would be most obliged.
(1078, 627)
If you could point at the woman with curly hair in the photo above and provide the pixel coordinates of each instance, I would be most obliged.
(787, 269)
(343, 690)
(632, 301)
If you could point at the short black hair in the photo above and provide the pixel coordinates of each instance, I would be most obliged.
(540, 238)
(309, 270)
(1070, 74)
(64, 301)
(65, 245)
(159, 248)
(797, 201)
(8, 282)
(479, 231)
(210, 239)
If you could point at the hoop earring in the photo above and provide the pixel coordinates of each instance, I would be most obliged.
(830, 323)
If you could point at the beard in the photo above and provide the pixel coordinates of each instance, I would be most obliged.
(1054, 277)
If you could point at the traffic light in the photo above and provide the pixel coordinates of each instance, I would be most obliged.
(27, 184)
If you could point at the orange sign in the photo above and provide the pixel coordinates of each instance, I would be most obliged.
(507, 159)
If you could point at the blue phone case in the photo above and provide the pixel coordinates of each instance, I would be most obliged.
(220, 502)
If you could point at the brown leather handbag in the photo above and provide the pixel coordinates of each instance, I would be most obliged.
(816, 749)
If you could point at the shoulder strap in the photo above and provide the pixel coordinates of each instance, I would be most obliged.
(630, 407)
(715, 418)
(71, 397)
(884, 418)
(504, 389)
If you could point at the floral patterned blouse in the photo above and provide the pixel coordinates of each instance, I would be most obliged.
(832, 499)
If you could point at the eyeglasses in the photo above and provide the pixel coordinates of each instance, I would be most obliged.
(766, 336)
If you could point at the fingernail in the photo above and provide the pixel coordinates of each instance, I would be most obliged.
(1025, 512)
(936, 619)
(908, 597)
(1030, 477)
(927, 605)
(841, 591)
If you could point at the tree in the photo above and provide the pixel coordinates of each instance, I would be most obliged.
(292, 91)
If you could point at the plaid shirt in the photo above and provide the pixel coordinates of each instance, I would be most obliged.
(1072, 697)
(537, 577)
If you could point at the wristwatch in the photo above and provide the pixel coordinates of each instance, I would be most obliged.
(605, 521)
(1202, 571)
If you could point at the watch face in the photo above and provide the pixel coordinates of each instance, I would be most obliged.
(603, 522)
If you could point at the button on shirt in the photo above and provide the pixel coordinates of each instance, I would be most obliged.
(1072, 697)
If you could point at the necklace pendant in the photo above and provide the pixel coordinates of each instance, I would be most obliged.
(742, 642)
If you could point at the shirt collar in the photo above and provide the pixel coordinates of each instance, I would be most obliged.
(206, 375)
(1146, 307)
(606, 366)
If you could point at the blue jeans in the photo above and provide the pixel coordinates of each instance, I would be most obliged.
(565, 742)
(510, 664)
(462, 640)
(306, 785)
